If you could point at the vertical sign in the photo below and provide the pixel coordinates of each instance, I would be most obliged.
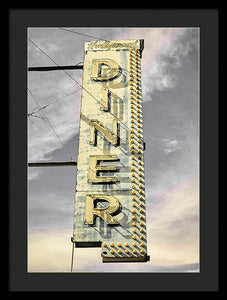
(110, 190)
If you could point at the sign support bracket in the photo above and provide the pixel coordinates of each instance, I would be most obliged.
(52, 164)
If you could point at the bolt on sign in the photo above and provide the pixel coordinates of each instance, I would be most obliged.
(110, 190)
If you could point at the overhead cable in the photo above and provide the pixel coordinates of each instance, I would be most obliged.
(76, 32)
(51, 126)
(47, 105)
(78, 83)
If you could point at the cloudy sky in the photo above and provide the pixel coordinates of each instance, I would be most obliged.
(170, 89)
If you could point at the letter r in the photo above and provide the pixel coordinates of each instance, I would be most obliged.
(104, 213)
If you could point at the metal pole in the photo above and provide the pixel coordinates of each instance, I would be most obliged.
(54, 68)
(52, 164)
(72, 254)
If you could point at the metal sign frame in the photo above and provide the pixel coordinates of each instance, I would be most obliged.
(110, 209)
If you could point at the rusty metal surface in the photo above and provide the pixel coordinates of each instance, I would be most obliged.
(112, 95)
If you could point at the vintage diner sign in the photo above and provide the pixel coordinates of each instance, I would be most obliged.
(110, 207)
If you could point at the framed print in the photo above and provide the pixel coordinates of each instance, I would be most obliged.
(112, 184)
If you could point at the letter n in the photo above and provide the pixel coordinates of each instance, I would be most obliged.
(111, 137)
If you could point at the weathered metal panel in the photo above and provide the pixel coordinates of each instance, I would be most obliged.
(110, 190)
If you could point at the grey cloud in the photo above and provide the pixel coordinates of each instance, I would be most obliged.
(170, 131)
(171, 145)
(162, 73)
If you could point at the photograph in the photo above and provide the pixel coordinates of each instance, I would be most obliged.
(113, 149)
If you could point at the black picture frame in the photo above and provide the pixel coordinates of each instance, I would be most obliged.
(207, 279)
